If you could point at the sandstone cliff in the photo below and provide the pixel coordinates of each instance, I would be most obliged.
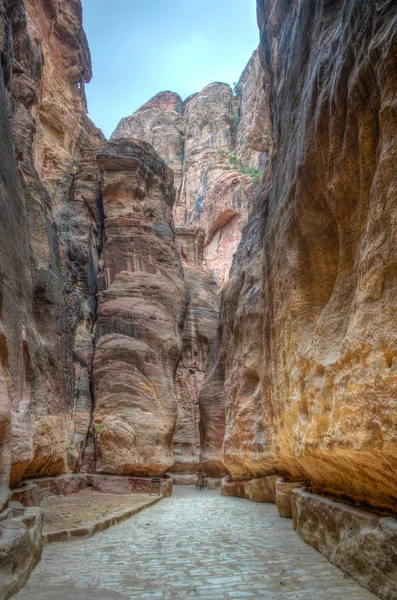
(112, 355)
(45, 47)
(217, 143)
(160, 123)
(54, 143)
(140, 317)
(198, 332)
(306, 349)
(47, 251)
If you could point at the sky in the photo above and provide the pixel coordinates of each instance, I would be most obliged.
(142, 47)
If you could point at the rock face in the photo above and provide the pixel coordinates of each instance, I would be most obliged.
(231, 405)
(215, 142)
(305, 378)
(330, 378)
(54, 142)
(160, 123)
(36, 377)
(285, 199)
(49, 197)
(198, 332)
(142, 301)
(38, 369)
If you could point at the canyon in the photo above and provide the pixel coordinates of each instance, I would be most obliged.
(213, 287)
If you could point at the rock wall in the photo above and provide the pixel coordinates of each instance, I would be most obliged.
(305, 370)
(160, 123)
(54, 143)
(40, 298)
(142, 301)
(198, 332)
(215, 142)
(231, 405)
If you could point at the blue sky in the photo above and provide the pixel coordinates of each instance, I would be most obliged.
(141, 47)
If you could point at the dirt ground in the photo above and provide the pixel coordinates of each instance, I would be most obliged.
(84, 508)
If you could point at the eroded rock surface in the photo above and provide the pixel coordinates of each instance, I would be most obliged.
(54, 143)
(305, 380)
(215, 142)
(160, 123)
(44, 134)
(329, 280)
(20, 546)
(140, 315)
(198, 332)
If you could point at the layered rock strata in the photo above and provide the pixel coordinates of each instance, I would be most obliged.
(160, 123)
(198, 332)
(305, 381)
(231, 405)
(142, 299)
(54, 143)
(47, 257)
(215, 142)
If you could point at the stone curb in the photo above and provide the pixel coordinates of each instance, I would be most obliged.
(87, 531)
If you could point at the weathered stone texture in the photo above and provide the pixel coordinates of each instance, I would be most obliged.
(256, 490)
(140, 316)
(305, 382)
(210, 141)
(230, 400)
(254, 138)
(329, 278)
(198, 332)
(160, 123)
(20, 546)
(54, 143)
(361, 544)
(41, 263)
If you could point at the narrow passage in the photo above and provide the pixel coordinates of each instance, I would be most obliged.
(196, 545)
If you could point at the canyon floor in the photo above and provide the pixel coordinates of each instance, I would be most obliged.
(197, 545)
(86, 507)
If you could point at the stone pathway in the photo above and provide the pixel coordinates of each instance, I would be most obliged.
(196, 545)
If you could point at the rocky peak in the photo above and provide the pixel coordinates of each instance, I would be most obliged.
(217, 143)
(164, 101)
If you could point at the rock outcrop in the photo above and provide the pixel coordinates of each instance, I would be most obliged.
(216, 142)
(142, 300)
(198, 332)
(54, 143)
(45, 253)
(160, 123)
(231, 405)
(305, 381)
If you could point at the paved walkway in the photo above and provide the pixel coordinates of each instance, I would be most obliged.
(196, 545)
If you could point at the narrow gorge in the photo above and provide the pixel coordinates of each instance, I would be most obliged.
(211, 288)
